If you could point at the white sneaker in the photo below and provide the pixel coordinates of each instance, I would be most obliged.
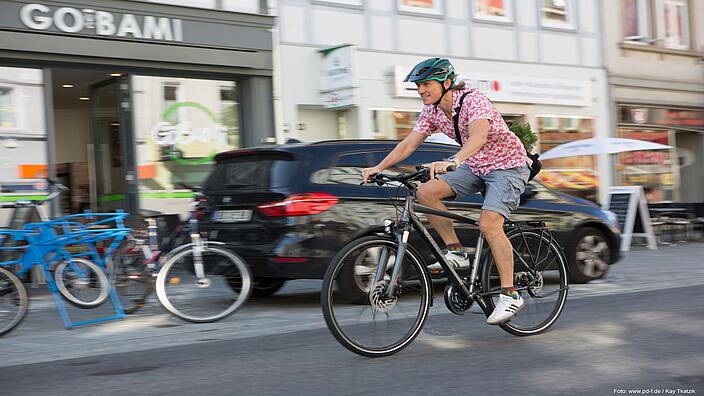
(505, 309)
(458, 260)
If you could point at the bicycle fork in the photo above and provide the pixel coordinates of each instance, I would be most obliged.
(401, 241)
(198, 261)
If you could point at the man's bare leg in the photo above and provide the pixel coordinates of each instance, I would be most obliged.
(431, 194)
(491, 225)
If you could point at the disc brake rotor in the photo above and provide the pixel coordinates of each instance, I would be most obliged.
(379, 300)
(534, 283)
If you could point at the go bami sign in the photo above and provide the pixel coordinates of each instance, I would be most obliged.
(103, 23)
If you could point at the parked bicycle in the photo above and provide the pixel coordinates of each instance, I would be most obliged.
(398, 292)
(199, 281)
(79, 235)
(44, 244)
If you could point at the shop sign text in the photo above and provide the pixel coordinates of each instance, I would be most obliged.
(516, 89)
(103, 23)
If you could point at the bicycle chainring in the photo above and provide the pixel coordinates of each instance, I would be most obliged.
(456, 301)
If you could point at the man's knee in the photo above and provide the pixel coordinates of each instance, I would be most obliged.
(491, 224)
(425, 195)
(434, 190)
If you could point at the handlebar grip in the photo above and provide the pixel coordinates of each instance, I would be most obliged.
(371, 179)
(54, 183)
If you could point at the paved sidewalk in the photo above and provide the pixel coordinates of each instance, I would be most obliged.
(41, 338)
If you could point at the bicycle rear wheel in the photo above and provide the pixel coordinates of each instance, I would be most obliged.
(130, 277)
(13, 301)
(81, 282)
(380, 325)
(540, 276)
(208, 299)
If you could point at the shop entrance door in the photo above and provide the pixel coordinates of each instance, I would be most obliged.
(113, 184)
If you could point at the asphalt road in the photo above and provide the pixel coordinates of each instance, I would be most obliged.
(652, 340)
(639, 331)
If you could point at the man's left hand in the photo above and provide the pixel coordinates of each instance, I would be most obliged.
(439, 167)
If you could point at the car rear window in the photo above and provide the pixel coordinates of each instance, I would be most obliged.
(259, 172)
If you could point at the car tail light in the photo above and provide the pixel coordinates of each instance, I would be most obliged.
(201, 208)
(299, 205)
(286, 260)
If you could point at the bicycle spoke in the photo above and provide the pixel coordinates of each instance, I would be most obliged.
(540, 277)
(382, 322)
(225, 286)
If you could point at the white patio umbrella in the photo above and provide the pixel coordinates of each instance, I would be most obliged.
(596, 146)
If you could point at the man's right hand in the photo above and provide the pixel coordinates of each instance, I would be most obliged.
(367, 172)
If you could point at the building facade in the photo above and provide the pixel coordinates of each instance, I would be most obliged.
(656, 84)
(540, 61)
(126, 102)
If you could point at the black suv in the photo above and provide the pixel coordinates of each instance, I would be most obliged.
(289, 209)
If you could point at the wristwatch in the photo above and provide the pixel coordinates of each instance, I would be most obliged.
(456, 162)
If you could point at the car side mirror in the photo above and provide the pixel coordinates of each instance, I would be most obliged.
(528, 193)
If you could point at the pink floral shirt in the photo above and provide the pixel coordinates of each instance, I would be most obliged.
(502, 150)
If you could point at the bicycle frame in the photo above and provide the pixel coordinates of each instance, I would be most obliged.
(153, 251)
(409, 221)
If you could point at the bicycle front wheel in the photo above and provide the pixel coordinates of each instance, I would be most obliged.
(380, 324)
(81, 282)
(209, 298)
(13, 301)
(539, 275)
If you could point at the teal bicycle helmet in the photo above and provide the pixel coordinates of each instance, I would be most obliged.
(438, 69)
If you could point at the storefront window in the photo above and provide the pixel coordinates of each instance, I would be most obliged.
(358, 3)
(393, 124)
(636, 20)
(557, 13)
(493, 10)
(230, 114)
(7, 108)
(652, 169)
(421, 6)
(171, 95)
(180, 124)
(23, 143)
(673, 23)
(574, 175)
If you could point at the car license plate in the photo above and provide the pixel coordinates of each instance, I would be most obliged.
(233, 216)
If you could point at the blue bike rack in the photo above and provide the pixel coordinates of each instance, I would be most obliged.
(46, 243)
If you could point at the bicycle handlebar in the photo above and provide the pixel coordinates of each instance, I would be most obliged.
(422, 174)
(60, 189)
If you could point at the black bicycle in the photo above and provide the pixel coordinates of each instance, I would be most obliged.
(397, 291)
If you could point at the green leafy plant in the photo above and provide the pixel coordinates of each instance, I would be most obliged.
(523, 131)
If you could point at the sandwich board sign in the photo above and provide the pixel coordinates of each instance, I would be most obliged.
(631, 208)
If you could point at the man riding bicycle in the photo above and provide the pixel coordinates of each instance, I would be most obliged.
(491, 159)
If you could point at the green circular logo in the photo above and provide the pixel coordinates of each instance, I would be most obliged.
(166, 134)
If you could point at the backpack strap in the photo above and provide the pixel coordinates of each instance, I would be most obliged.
(456, 119)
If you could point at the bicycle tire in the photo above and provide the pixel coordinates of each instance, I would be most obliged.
(229, 265)
(335, 318)
(131, 279)
(520, 325)
(96, 280)
(14, 294)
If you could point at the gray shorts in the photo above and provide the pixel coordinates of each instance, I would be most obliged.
(503, 186)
